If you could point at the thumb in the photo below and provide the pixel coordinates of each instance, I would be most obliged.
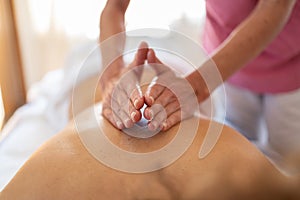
(151, 57)
(139, 59)
(155, 63)
(140, 56)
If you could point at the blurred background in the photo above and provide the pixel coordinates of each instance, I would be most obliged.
(48, 30)
(42, 45)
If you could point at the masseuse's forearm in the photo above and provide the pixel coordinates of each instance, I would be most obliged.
(112, 23)
(251, 37)
(112, 18)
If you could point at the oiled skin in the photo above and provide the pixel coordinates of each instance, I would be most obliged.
(63, 169)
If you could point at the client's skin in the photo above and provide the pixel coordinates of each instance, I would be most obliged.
(63, 169)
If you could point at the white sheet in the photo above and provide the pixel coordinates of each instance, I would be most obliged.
(44, 115)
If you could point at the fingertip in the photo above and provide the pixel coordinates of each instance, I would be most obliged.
(149, 100)
(153, 125)
(148, 114)
(138, 117)
(138, 103)
(164, 126)
(142, 52)
(143, 45)
(128, 123)
(119, 125)
(151, 56)
(133, 116)
(150, 127)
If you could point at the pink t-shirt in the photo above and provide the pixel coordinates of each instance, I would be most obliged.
(277, 68)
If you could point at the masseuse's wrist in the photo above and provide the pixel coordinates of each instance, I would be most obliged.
(111, 73)
(198, 84)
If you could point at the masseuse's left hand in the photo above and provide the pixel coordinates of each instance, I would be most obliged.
(165, 108)
(122, 99)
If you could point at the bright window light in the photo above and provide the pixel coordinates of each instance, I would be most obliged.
(81, 17)
(74, 18)
(160, 14)
(40, 14)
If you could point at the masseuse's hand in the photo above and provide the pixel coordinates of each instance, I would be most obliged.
(122, 99)
(165, 108)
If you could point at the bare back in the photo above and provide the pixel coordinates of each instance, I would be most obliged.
(64, 169)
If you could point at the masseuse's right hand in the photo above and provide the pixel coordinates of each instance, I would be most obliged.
(122, 97)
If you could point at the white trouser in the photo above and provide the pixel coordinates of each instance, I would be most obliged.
(276, 115)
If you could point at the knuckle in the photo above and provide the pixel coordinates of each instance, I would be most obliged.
(156, 89)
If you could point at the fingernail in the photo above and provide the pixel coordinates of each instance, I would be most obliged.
(119, 125)
(151, 114)
(151, 100)
(133, 114)
(127, 123)
(135, 103)
(153, 125)
(164, 125)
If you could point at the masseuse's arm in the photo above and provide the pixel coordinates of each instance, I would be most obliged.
(245, 43)
(112, 23)
(122, 109)
(248, 40)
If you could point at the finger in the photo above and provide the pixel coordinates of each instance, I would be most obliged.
(133, 93)
(136, 97)
(157, 121)
(131, 78)
(126, 113)
(152, 93)
(127, 122)
(151, 57)
(148, 114)
(122, 107)
(172, 120)
(155, 63)
(151, 112)
(160, 115)
(138, 102)
(172, 108)
(130, 105)
(114, 120)
(130, 85)
(110, 114)
(120, 97)
(139, 59)
(165, 98)
(135, 115)
(141, 55)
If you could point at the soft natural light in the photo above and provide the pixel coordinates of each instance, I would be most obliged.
(74, 18)
(1, 110)
(78, 17)
(160, 14)
(40, 14)
(81, 18)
